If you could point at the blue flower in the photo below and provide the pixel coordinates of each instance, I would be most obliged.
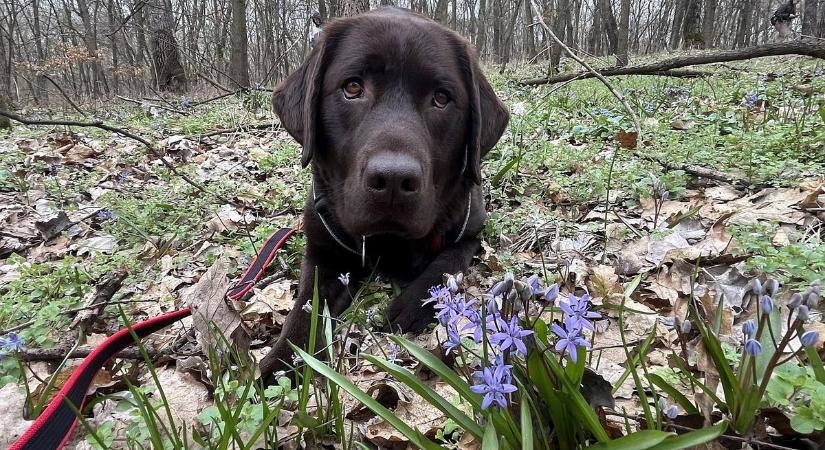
(570, 338)
(106, 214)
(649, 108)
(578, 309)
(753, 347)
(493, 383)
(450, 308)
(12, 343)
(122, 177)
(750, 100)
(749, 328)
(511, 335)
(476, 326)
(767, 304)
(549, 293)
(809, 338)
(802, 313)
(453, 340)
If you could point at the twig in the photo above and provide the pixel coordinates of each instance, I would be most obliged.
(592, 73)
(106, 289)
(154, 151)
(693, 169)
(59, 353)
(239, 128)
(138, 102)
(63, 93)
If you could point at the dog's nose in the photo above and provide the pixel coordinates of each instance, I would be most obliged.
(393, 177)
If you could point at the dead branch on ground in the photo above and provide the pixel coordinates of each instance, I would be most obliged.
(120, 131)
(815, 49)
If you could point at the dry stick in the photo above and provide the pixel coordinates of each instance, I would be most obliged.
(106, 289)
(693, 169)
(804, 48)
(138, 102)
(59, 354)
(619, 96)
(63, 93)
(592, 72)
(154, 151)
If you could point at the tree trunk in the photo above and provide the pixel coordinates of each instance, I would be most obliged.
(169, 73)
(481, 36)
(611, 29)
(676, 26)
(561, 16)
(5, 78)
(441, 15)
(530, 37)
(743, 27)
(691, 34)
(498, 39)
(624, 33)
(355, 7)
(809, 18)
(708, 22)
(42, 95)
(239, 60)
(820, 28)
(90, 41)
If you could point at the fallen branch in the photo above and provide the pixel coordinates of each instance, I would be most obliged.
(815, 49)
(141, 103)
(239, 128)
(152, 149)
(105, 290)
(59, 353)
(699, 171)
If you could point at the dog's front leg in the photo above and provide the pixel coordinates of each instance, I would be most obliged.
(296, 329)
(407, 313)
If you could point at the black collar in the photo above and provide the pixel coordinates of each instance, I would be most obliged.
(344, 240)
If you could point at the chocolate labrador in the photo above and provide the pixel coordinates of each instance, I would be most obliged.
(394, 115)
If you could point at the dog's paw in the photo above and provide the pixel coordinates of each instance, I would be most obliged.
(408, 315)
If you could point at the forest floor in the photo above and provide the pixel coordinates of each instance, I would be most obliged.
(566, 198)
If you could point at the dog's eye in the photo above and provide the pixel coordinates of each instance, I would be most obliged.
(440, 99)
(353, 89)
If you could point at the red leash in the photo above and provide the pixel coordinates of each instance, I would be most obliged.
(54, 426)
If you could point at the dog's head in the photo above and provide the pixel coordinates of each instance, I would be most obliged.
(395, 115)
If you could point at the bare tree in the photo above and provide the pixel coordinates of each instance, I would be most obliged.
(239, 61)
(5, 74)
(809, 18)
(169, 73)
(691, 31)
(708, 22)
(624, 31)
(743, 25)
(354, 7)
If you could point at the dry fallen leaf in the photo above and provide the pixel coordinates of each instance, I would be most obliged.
(206, 298)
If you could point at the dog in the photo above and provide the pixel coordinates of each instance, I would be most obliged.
(394, 115)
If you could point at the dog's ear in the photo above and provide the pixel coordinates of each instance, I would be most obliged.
(488, 116)
(296, 100)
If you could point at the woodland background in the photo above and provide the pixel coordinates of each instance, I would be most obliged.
(97, 49)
